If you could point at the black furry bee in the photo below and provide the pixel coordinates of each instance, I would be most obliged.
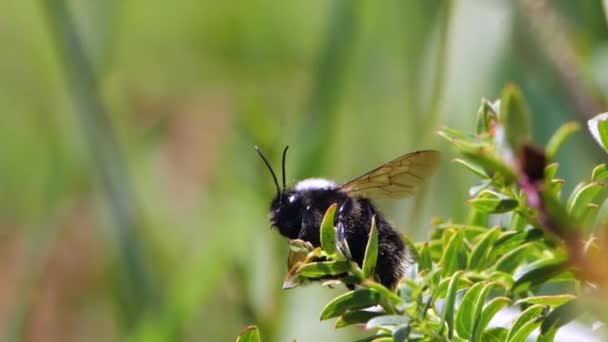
(297, 211)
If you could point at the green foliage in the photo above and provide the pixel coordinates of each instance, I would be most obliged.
(521, 238)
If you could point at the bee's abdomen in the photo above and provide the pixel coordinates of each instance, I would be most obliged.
(354, 221)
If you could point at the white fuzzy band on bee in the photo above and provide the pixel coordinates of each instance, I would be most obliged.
(314, 184)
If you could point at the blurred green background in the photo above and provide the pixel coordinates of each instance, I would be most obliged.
(132, 204)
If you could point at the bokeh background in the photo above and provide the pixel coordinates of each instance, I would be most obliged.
(132, 204)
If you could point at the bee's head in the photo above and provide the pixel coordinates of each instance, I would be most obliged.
(285, 213)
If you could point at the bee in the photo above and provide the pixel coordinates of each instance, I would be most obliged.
(297, 211)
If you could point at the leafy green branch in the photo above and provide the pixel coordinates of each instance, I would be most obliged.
(523, 238)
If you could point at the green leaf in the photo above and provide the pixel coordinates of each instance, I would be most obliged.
(249, 334)
(425, 262)
(324, 268)
(371, 251)
(478, 258)
(490, 310)
(376, 338)
(598, 126)
(410, 247)
(352, 300)
(471, 167)
(540, 275)
(514, 116)
(551, 171)
(600, 172)
(386, 321)
(530, 315)
(449, 306)
(465, 318)
(524, 331)
(491, 202)
(509, 262)
(483, 156)
(555, 300)
(559, 137)
(328, 232)
(509, 240)
(486, 117)
(401, 333)
(356, 317)
(442, 288)
(454, 257)
(581, 197)
(496, 334)
(560, 316)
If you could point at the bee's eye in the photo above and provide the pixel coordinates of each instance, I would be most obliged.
(293, 199)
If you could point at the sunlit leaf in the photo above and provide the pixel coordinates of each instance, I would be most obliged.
(488, 312)
(514, 116)
(555, 300)
(328, 232)
(491, 202)
(540, 275)
(324, 268)
(559, 137)
(471, 167)
(454, 258)
(387, 320)
(598, 126)
(509, 262)
(249, 334)
(449, 306)
(371, 251)
(578, 201)
(600, 172)
(496, 334)
(352, 300)
(356, 317)
(530, 315)
(465, 318)
(479, 254)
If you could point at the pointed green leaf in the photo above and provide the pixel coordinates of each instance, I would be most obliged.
(442, 288)
(471, 167)
(425, 262)
(478, 258)
(454, 257)
(371, 251)
(551, 171)
(486, 117)
(561, 315)
(352, 300)
(356, 317)
(496, 334)
(509, 262)
(411, 248)
(598, 126)
(578, 201)
(555, 300)
(449, 306)
(509, 240)
(540, 275)
(249, 334)
(487, 314)
(465, 318)
(328, 232)
(386, 321)
(491, 202)
(324, 268)
(531, 314)
(524, 331)
(559, 137)
(401, 333)
(514, 116)
(600, 172)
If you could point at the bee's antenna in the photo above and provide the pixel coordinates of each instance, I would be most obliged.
(274, 176)
(283, 170)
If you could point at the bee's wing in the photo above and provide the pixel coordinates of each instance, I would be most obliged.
(397, 178)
